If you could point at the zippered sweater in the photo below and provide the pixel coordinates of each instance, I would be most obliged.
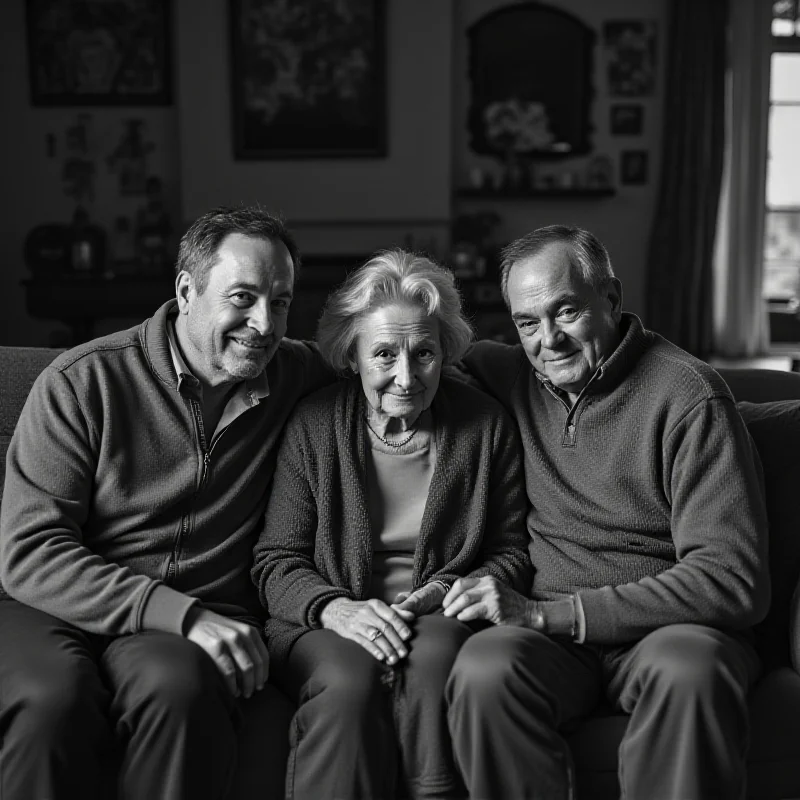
(646, 496)
(114, 518)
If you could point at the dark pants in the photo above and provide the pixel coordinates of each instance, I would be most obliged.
(80, 712)
(513, 691)
(362, 728)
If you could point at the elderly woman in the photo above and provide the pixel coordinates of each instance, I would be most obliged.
(389, 486)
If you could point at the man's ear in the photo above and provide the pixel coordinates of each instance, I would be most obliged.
(184, 288)
(613, 293)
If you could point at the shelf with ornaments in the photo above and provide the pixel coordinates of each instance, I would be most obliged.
(537, 193)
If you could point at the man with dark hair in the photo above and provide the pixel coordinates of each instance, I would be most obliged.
(649, 540)
(136, 483)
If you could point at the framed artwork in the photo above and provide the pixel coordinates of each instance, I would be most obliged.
(630, 55)
(626, 120)
(633, 167)
(308, 78)
(99, 52)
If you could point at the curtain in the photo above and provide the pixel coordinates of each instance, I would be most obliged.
(740, 316)
(679, 281)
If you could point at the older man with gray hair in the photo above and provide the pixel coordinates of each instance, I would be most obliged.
(649, 539)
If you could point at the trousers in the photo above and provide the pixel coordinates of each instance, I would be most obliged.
(364, 729)
(138, 717)
(512, 693)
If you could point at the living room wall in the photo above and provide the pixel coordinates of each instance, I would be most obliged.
(334, 205)
(33, 155)
(375, 201)
(622, 222)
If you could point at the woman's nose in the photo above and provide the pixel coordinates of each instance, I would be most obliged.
(404, 373)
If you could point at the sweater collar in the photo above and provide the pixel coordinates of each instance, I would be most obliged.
(154, 338)
(634, 340)
(156, 334)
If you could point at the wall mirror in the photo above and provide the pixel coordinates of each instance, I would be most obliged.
(530, 69)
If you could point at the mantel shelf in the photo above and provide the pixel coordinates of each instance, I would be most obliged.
(582, 192)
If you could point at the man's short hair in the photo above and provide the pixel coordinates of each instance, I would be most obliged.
(588, 254)
(393, 276)
(197, 253)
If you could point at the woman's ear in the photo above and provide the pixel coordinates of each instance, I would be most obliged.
(353, 366)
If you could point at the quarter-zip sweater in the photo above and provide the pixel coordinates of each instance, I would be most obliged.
(646, 495)
(317, 540)
(117, 516)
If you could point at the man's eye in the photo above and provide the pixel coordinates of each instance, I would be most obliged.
(241, 298)
(281, 303)
(568, 311)
(527, 324)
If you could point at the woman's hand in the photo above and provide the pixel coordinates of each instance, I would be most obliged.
(410, 605)
(380, 630)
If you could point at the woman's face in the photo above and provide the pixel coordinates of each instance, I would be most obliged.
(399, 360)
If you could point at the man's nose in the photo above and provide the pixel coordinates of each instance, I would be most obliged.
(260, 318)
(551, 334)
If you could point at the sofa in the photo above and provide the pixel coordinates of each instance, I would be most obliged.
(770, 404)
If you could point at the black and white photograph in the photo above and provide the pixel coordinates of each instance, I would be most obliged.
(400, 399)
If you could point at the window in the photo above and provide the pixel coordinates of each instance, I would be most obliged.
(782, 223)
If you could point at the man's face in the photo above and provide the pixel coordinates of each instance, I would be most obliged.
(231, 331)
(566, 327)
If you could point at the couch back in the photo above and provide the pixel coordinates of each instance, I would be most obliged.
(768, 402)
(19, 367)
(770, 409)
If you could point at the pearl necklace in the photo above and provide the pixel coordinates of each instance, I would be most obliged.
(392, 444)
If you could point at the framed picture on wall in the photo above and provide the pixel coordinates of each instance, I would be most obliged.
(99, 52)
(308, 78)
(633, 167)
(630, 56)
(626, 119)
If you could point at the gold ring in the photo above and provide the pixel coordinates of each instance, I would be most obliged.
(374, 634)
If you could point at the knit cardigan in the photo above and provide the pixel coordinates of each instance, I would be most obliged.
(114, 518)
(317, 542)
(646, 495)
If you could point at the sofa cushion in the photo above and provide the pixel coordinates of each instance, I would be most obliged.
(775, 428)
(774, 753)
(19, 368)
(772, 760)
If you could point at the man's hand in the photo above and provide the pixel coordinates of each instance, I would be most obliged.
(236, 647)
(487, 598)
(372, 624)
(410, 605)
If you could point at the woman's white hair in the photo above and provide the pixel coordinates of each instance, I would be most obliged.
(388, 278)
